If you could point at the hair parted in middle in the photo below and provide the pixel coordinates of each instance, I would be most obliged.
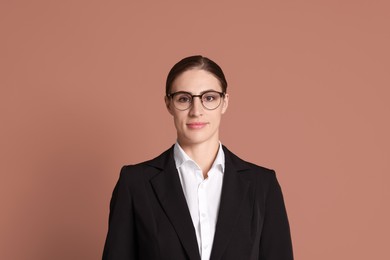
(195, 62)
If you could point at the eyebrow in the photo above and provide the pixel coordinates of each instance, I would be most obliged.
(180, 91)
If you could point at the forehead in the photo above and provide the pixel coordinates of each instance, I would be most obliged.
(196, 81)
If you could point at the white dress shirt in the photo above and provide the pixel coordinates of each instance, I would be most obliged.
(203, 195)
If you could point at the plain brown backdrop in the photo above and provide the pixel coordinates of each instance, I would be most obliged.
(81, 94)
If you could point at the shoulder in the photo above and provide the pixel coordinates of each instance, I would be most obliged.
(264, 178)
(147, 169)
(248, 168)
(242, 164)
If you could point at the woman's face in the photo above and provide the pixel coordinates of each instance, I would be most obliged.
(197, 124)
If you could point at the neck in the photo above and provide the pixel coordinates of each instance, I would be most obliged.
(203, 154)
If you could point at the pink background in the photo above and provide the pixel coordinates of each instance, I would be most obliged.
(81, 94)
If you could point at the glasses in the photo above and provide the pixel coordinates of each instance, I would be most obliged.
(183, 100)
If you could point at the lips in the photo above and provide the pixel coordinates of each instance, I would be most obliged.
(196, 125)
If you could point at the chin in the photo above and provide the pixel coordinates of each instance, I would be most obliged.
(197, 138)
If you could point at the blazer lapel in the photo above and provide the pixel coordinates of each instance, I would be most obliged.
(234, 190)
(168, 189)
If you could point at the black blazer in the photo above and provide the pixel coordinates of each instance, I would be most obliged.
(149, 218)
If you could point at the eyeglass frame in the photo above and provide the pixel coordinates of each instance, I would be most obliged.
(221, 94)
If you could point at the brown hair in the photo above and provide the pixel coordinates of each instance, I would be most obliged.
(195, 62)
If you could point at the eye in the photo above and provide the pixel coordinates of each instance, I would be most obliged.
(183, 98)
(210, 97)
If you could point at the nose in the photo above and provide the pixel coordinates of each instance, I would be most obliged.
(196, 107)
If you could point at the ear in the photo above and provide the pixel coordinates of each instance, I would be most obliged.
(168, 104)
(225, 103)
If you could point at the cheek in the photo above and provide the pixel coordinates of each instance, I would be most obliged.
(218, 114)
(178, 119)
(218, 119)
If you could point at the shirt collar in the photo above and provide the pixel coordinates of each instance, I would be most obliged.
(181, 157)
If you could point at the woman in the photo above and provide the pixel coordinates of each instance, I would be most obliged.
(197, 200)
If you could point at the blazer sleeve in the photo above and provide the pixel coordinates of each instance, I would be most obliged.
(120, 241)
(275, 243)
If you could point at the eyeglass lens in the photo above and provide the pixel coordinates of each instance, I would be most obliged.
(210, 100)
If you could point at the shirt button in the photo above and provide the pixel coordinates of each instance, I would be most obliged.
(203, 215)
